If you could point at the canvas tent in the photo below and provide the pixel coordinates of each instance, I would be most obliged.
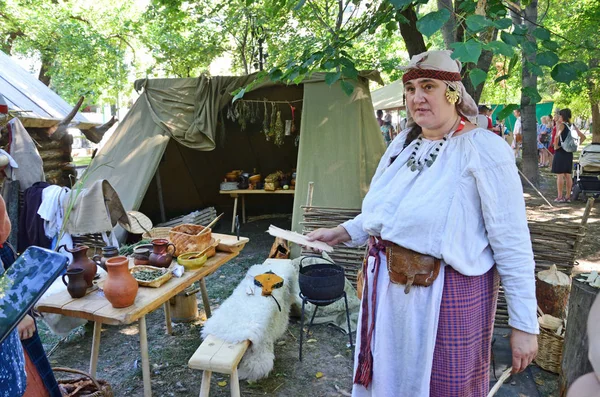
(389, 97)
(36, 104)
(181, 128)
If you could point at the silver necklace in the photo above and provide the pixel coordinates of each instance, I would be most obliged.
(418, 165)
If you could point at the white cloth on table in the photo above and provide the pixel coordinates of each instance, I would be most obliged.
(247, 315)
(405, 335)
(473, 217)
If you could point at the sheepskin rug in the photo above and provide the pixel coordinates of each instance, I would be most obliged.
(247, 315)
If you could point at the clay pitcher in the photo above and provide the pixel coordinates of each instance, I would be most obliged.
(81, 261)
(107, 252)
(77, 286)
(160, 255)
(120, 288)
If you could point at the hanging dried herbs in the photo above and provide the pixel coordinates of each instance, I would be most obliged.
(253, 113)
(273, 120)
(266, 122)
(243, 115)
(279, 131)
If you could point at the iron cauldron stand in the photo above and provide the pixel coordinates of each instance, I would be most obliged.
(321, 284)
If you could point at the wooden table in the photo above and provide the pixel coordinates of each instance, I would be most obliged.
(243, 192)
(96, 308)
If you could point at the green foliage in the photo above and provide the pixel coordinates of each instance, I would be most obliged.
(467, 52)
(432, 22)
(477, 76)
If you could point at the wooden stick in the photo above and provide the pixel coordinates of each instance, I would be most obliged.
(505, 375)
(535, 188)
(210, 224)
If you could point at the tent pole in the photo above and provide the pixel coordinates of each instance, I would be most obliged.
(161, 202)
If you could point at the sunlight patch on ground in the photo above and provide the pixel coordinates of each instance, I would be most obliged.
(130, 331)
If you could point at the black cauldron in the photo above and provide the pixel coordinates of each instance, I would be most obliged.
(321, 281)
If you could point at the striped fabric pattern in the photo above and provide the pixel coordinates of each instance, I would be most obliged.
(463, 346)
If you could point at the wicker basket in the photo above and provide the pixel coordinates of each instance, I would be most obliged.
(157, 282)
(550, 348)
(95, 388)
(157, 232)
(189, 238)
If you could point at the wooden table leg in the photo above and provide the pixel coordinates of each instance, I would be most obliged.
(145, 359)
(205, 300)
(167, 307)
(243, 209)
(95, 348)
(234, 213)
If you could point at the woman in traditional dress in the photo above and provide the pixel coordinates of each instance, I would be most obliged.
(445, 201)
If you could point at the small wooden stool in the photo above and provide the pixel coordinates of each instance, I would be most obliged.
(217, 355)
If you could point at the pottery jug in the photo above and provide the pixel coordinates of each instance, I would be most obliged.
(81, 261)
(107, 252)
(141, 256)
(160, 255)
(120, 288)
(77, 286)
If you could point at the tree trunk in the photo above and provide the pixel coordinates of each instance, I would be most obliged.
(450, 25)
(593, 95)
(412, 37)
(575, 348)
(44, 77)
(528, 118)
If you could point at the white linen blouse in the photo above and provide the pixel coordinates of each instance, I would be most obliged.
(466, 209)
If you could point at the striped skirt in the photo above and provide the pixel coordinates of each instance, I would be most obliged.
(463, 344)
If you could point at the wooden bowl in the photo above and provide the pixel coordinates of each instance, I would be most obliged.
(231, 177)
(254, 179)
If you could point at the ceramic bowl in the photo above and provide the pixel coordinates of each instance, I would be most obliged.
(191, 260)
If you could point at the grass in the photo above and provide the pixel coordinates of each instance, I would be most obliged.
(79, 161)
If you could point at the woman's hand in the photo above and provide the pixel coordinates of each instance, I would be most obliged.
(524, 348)
(26, 327)
(331, 237)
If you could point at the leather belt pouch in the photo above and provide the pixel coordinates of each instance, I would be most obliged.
(409, 268)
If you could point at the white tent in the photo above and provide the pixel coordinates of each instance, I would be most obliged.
(389, 97)
(36, 104)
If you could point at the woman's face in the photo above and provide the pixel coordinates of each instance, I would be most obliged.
(426, 99)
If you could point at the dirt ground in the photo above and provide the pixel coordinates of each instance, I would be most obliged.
(119, 361)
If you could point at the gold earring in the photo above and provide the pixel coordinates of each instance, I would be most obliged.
(452, 95)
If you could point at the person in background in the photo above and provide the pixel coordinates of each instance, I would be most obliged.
(517, 133)
(549, 145)
(485, 112)
(562, 164)
(543, 137)
(380, 117)
(554, 120)
(387, 130)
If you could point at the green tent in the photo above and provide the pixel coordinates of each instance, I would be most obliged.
(179, 132)
(541, 109)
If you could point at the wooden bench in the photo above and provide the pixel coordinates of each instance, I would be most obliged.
(216, 355)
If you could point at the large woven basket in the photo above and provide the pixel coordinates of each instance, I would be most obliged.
(93, 387)
(157, 232)
(550, 348)
(188, 238)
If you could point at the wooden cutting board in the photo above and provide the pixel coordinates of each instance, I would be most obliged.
(230, 243)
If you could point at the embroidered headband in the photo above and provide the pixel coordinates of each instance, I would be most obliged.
(412, 74)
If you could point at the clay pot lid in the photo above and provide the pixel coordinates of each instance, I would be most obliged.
(138, 223)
